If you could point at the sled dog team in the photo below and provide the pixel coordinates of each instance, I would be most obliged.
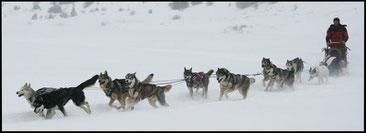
(130, 91)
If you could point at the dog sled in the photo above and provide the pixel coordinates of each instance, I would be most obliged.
(335, 59)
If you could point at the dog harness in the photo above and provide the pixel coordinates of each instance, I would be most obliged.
(143, 97)
(195, 76)
(41, 92)
(114, 89)
(44, 90)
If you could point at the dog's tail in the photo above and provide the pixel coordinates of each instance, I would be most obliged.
(252, 80)
(166, 88)
(329, 61)
(208, 74)
(148, 79)
(87, 83)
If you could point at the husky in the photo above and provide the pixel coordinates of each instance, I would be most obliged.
(197, 80)
(266, 65)
(321, 72)
(30, 95)
(290, 72)
(280, 76)
(117, 89)
(230, 82)
(139, 91)
(298, 65)
(59, 98)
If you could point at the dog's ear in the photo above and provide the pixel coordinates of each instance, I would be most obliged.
(105, 72)
(190, 69)
(134, 73)
(185, 68)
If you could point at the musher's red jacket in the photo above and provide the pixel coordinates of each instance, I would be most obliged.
(337, 34)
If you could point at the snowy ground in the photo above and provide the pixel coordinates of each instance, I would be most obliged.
(66, 52)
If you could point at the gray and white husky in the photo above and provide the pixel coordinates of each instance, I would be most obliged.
(281, 77)
(230, 82)
(30, 95)
(321, 72)
(139, 91)
(117, 89)
(266, 65)
(298, 65)
(197, 80)
(271, 73)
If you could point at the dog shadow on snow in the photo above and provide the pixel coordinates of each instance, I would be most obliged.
(21, 117)
(29, 115)
(281, 90)
(212, 97)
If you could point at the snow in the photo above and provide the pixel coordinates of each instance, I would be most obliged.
(65, 52)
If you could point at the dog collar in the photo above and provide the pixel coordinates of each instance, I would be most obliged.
(30, 99)
(105, 89)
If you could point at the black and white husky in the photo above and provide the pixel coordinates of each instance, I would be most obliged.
(197, 80)
(59, 98)
(230, 82)
(139, 91)
(30, 95)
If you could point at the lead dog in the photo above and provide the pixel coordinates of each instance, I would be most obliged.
(30, 95)
(230, 82)
(59, 98)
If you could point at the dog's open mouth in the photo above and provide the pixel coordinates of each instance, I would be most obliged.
(19, 95)
(219, 79)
